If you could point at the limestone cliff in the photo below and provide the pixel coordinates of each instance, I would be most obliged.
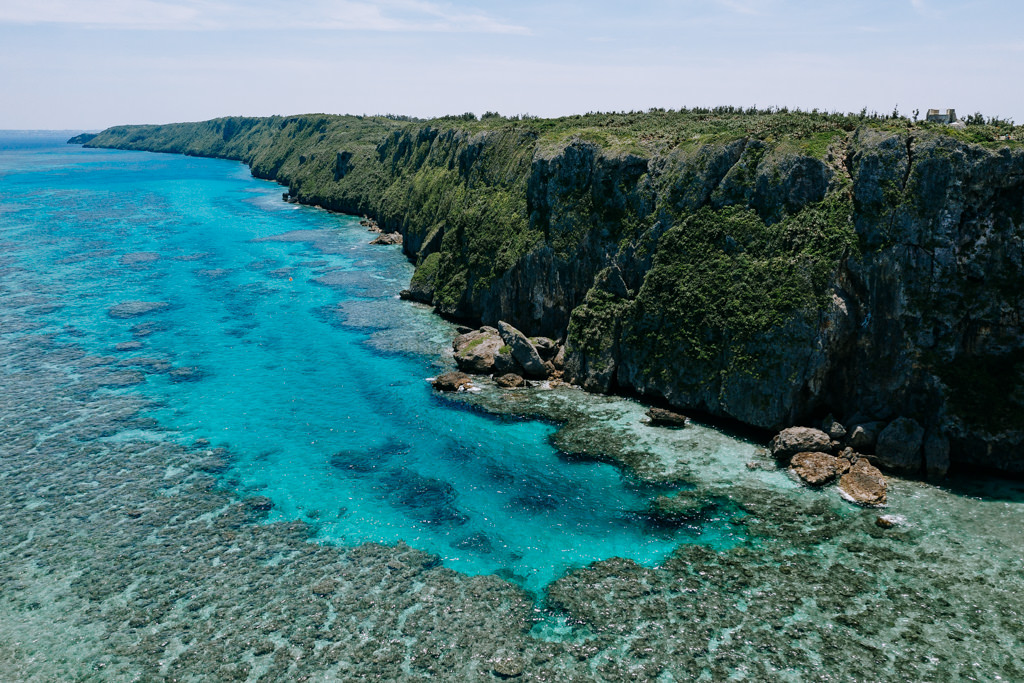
(768, 270)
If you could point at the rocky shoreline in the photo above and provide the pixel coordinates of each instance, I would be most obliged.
(853, 458)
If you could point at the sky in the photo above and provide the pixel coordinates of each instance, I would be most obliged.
(90, 64)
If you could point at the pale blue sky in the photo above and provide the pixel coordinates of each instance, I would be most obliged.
(96, 63)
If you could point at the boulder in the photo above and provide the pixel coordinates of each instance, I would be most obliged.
(936, 454)
(899, 445)
(522, 350)
(793, 440)
(659, 417)
(452, 381)
(475, 351)
(864, 436)
(835, 430)
(509, 381)
(818, 469)
(506, 664)
(863, 485)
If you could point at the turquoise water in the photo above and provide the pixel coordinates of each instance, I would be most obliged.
(280, 339)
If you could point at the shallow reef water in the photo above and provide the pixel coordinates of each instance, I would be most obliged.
(220, 460)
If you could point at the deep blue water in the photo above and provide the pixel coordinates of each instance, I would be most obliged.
(295, 354)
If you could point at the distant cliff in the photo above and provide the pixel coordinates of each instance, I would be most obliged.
(767, 267)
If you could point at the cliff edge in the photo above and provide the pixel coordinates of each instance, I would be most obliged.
(772, 268)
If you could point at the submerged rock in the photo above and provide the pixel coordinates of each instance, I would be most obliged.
(522, 350)
(132, 309)
(507, 664)
(899, 445)
(793, 440)
(186, 374)
(863, 485)
(818, 469)
(128, 346)
(452, 381)
(659, 417)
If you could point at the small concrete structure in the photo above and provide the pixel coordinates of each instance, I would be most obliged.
(934, 116)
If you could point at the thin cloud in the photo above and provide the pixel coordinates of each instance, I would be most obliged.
(203, 15)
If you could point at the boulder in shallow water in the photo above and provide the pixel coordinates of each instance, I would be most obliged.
(509, 381)
(899, 445)
(522, 350)
(132, 309)
(452, 381)
(659, 417)
(506, 664)
(128, 346)
(793, 440)
(818, 469)
(863, 485)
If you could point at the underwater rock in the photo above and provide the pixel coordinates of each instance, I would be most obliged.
(128, 346)
(507, 664)
(452, 381)
(509, 381)
(682, 505)
(123, 378)
(899, 445)
(325, 588)
(793, 440)
(659, 417)
(186, 374)
(132, 309)
(818, 469)
(139, 257)
(258, 504)
(863, 485)
(522, 350)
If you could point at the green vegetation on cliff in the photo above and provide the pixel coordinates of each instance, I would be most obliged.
(768, 266)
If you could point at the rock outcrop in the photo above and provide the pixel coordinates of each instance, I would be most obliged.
(899, 446)
(522, 351)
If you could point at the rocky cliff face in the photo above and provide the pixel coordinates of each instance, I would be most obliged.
(768, 280)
